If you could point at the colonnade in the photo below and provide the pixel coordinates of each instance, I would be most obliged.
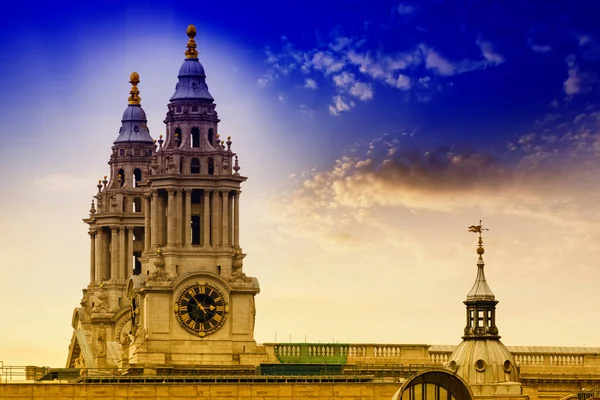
(169, 213)
(111, 253)
(168, 216)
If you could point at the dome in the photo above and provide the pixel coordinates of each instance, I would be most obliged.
(134, 126)
(483, 362)
(134, 113)
(191, 84)
(191, 67)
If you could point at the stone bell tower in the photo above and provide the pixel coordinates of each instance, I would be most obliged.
(192, 304)
(174, 275)
(116, 229)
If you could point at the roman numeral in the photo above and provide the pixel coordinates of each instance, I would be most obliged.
(202, 289)
(218, 317)
(218, 299)
(220, 308)
(182, 308)
(192, 292)
(185, 317)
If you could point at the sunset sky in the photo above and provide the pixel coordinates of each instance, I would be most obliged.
(373, 134)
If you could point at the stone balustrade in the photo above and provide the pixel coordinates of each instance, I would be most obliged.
(534, 356)
(360, 353)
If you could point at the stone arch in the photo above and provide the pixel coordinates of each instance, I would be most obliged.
(178, 135)
(195, 166)
(121, 177)
(211, 136)
(137, 177)
(443, 384)
(195, 137)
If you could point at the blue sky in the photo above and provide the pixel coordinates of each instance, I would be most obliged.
(372, 133)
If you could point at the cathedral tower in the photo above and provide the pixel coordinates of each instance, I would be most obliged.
(167, 275)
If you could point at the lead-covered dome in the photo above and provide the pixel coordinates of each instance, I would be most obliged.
(191, 84)
(483, 361)
(134, 125)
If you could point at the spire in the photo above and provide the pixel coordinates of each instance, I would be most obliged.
(481, 302)
(134, 93)
(480, 290)
(134, 126)
(191, 51)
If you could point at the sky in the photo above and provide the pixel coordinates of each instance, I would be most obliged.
(373, 134)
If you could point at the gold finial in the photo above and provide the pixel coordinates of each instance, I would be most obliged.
(478, 229)
(191, 51)
(134, 93)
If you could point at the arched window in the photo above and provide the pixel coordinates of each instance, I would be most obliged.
(434, 384)
(121, 177)
(211, 136)
(195, 166)
(125, 208)
(137, 177)
(137, 204)
(178, 135)
(211, 166)
(195, 137)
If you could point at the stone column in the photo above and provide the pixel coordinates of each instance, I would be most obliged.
(215, 218)
(122, 259)
(147, 222)
(114, 252)
(101, 256)
(187, 219)
(230, 218)
(206, 218)
(179, 218)
(171, 218)
(236, 222)
(154, 221)
(129, 264)
(92, 234)
(225, 214)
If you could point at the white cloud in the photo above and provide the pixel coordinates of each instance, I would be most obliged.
(405, 9)
(362, 90)
(344, 80)
(402, 82)
(339, 105)
(324, 61)
(310, 84)
(339, 43)
(487, 51)
(577, 82)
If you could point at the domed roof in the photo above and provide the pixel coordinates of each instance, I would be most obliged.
(134, 113)
(191, 84)
(134, 126)
(483, 362)
(191, 67)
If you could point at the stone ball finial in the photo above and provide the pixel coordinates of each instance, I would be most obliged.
(480, 250)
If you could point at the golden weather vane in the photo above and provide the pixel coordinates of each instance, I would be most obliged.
(478, 229)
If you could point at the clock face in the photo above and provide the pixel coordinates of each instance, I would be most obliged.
(201, 309)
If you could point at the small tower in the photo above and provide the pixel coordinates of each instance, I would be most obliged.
(481, 302)
(192, 304)
(482, 359)
(116, 229)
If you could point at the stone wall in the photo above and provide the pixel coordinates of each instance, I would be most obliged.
(216, 391)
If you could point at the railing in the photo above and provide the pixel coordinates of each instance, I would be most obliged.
(29, 373)
(576, 358)
(21, 373)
